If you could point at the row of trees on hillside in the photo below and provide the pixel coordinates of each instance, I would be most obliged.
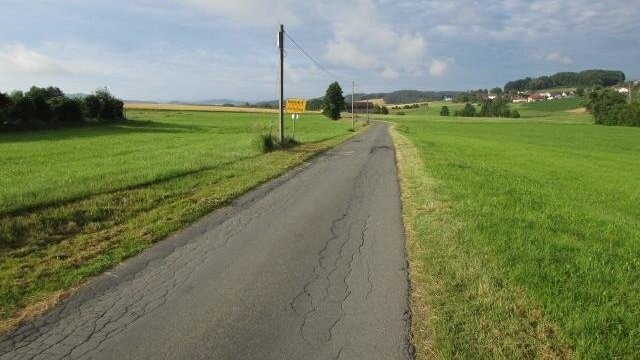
(45, 108)
(587, 78)
(609, 107)
(498, 107)
(473, 96)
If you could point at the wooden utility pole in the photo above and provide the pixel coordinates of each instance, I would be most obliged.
(353, 113)
(281, 102)
(367, 112)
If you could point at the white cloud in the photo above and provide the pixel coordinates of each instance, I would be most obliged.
(389, 73)
(439, 67)
(17, 58)
(527, 21)
(250, 12)
(363, 40)
(558, 57)
(344, 51)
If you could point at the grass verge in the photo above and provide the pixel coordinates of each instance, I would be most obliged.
(462, 305)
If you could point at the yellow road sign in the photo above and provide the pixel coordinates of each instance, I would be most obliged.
(296, 106)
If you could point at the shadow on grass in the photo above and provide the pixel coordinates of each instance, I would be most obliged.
(16, 226)
(101, 129)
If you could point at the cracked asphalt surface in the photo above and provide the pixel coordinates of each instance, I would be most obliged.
(308, 266)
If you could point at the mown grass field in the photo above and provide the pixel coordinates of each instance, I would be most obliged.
(75, 202)
(523, 234)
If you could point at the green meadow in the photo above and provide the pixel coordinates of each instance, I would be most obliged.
(525, 234)
(74, 202)
(49, 166)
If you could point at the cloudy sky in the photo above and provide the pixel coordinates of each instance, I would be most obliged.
(203, 49)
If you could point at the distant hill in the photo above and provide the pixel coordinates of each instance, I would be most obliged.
(587, 78)
(220, 102)
(391, 98)
(411, 96)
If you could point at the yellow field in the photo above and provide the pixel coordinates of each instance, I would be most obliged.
(158, 106)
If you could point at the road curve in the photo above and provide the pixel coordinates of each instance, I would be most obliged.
(309, 266)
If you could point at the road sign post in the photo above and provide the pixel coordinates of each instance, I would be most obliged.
(295, 107)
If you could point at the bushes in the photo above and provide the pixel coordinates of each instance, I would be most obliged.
(601, 102)
(45, 108)
(468, 111)
(609, 107)
(103, 106)
(67, 111)
(497, 107)
(377, 109)
(267, 143)
(444, 111)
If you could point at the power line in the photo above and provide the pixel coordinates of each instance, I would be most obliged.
(305, 53)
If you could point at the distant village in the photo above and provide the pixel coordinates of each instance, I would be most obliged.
(543, 95)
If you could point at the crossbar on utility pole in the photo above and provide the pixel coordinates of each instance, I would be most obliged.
(353, 113)
(281, 102)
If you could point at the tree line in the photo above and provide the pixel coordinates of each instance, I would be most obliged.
(472, 96)
(46, 108)
(498, 107)
(587, 78)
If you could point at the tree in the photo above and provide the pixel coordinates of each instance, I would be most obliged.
(498, 107)
(444, 111)
(102, 105)
(67, 111)
(5, 105)
(609, 107)
(21, 111)
(384, 110)
(333, 102)
(600, 104)
(580, 91)
(40, 109)
(496, 91)
(468, 111)
(92, 106)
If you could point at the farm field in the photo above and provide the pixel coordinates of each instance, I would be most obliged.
(523, 233)
(74, 202)
(185, 107)
(555, 111)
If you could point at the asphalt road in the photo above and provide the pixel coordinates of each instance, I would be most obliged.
(309, 266)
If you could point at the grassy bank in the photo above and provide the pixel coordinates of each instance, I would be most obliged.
(524, 235)
(76, 202)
